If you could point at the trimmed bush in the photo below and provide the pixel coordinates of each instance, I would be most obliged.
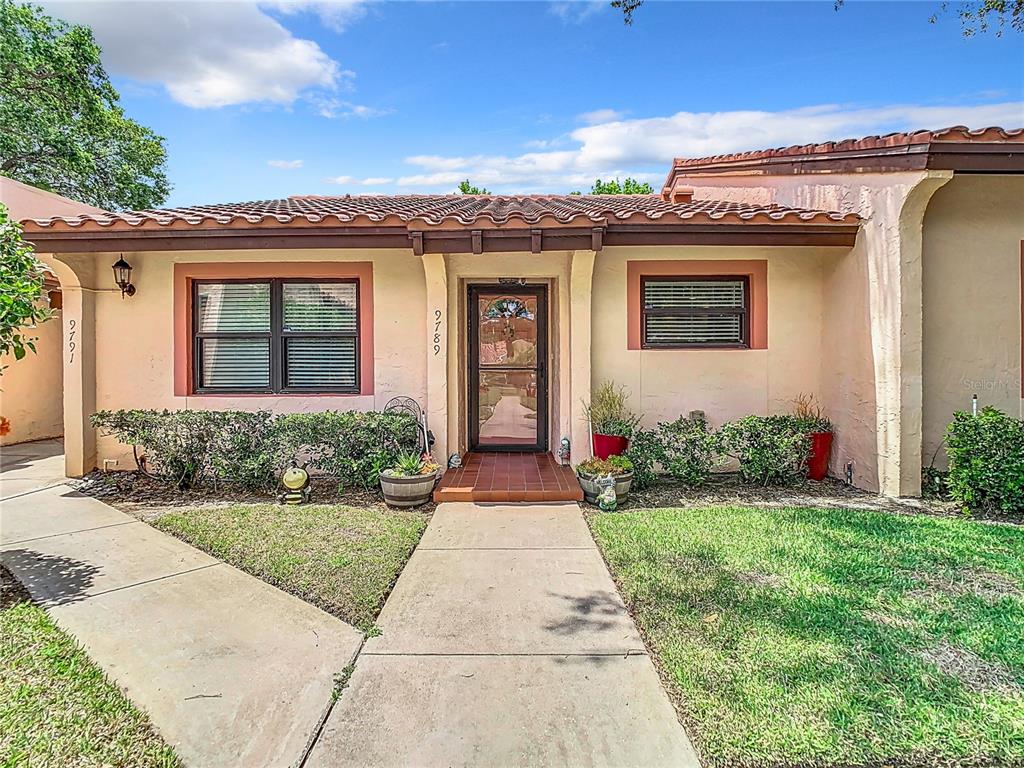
(772, 450)
(689, 450)
(986, 461)
(645, 453)
(248, 449)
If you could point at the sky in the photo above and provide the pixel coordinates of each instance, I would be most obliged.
(267, 100)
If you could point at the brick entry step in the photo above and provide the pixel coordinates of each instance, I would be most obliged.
(506, 477)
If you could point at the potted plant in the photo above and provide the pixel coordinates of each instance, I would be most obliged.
(592, 471)
(809, 418)
(611, 421)
(409, 482)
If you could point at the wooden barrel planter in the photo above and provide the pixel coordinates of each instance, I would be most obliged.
(407, 491)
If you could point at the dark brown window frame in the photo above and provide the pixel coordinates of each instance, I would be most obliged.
(744, 312)
(277, 337)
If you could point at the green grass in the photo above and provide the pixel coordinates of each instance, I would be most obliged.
(56, 707)
(343, 559)
(830, 637)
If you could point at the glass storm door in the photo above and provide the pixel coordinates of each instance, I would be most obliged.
(508, 368)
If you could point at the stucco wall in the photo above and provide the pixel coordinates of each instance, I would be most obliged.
(973, 231)
(725, 384)
(31, 389)
(135, 343)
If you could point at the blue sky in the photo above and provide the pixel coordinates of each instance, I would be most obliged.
(294, 97)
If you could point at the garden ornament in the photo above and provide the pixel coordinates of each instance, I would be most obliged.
(295, 480)
(606, 498)
(455, 461)
(564, 450)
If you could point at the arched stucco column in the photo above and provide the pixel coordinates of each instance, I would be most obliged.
(580, 319)
(76, 275)
(435, 274)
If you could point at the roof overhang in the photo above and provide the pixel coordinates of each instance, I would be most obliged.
(469, 240)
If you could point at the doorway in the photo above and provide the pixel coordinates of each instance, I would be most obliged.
(508, 368)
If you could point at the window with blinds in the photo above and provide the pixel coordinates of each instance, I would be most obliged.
(276, 336)
(683, 312)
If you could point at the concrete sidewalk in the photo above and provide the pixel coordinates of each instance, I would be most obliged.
(232, 671)
(504, 643)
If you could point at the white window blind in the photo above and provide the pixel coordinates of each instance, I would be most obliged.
(233, 320)
(681, 312)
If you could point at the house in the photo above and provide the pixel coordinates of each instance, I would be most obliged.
(882, 275)
(31, 391)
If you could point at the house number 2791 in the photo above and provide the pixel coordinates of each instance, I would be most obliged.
(437, 332)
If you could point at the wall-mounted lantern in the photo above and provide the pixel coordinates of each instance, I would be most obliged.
(123, 277)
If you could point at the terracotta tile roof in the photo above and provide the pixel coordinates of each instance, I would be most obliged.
(428, 212)
(957, 134)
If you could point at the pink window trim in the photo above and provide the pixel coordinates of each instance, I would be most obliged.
(754, 269)
(184, 274)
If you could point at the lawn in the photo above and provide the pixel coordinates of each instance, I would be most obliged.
(56, 707)
(340, 558)
(830, 636)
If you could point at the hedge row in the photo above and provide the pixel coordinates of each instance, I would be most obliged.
(771, 450)
(249, 449)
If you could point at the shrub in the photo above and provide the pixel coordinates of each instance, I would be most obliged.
(248, 448)
(608, 412)
(986, 461)
(688, 450)
(353, 446)
(770, 449)
(644, 453)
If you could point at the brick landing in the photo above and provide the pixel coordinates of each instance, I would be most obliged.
(507, 477)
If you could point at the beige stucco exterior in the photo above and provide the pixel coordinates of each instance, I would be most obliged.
(31, 389)
(724, 383)
(973, 236)
(872, 365)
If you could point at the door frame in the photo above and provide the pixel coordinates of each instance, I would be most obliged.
(474, 290)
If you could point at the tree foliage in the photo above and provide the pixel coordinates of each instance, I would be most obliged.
(21, 290)
(465, 188)
(61, 125)
(615, 187)
(975, 17)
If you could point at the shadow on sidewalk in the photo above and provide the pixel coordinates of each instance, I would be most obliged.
(49, 578)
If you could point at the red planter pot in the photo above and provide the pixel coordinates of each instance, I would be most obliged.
(609, 445)
(821, 447)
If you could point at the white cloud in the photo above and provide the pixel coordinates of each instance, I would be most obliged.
(331, 107)
(376, 181)
(335, 14)
(600, 116)
(576, 11)
(644, 148)
(340, 180)
(205, 54)
(285, 165)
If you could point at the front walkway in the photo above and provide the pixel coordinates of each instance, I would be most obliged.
(231, 670)
(504, 643)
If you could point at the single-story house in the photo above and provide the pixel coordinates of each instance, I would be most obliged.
(882, 275)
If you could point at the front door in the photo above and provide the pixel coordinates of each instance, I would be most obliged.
(508, 392)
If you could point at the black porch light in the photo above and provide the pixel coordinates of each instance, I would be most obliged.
(123, 277)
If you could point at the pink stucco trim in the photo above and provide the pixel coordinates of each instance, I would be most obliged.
(184, 274)
(754, 269)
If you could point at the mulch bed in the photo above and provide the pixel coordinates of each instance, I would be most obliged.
(149, 497)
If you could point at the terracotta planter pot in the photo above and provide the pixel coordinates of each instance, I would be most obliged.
(609, 445)
(592, 490)
(821, 447)
(407, 491)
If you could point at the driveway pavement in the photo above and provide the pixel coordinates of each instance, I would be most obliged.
(232, 671)
(504, 643)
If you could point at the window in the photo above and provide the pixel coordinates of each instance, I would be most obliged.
(276, 336)
(683, 312)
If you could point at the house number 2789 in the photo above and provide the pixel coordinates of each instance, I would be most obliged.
(437, 332)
